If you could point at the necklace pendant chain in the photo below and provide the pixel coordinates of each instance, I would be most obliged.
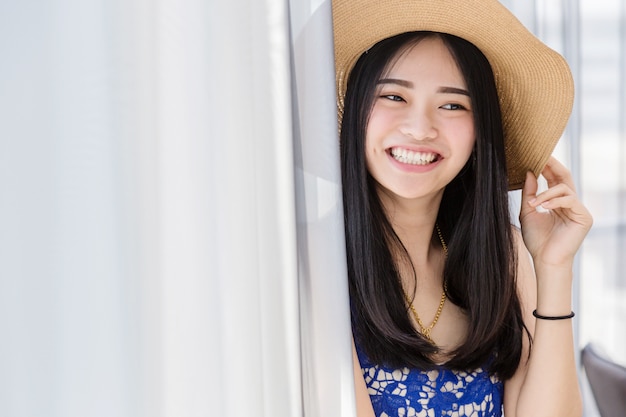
(423, 329)
(443, 242)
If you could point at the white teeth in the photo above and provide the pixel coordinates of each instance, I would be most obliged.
(413, 158)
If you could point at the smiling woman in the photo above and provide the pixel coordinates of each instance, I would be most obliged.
(153, 261)
(431, 141)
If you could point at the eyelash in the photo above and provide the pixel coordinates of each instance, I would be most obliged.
(454, 106)
(392, 97)
(447, 106)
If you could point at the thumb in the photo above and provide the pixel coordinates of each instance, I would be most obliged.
(529, 193)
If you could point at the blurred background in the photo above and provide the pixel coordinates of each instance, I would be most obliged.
(170, 220)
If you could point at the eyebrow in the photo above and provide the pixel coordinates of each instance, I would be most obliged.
(453, 90)
(409, 84)
(401, 83)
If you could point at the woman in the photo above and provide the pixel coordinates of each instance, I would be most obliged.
(450, 314)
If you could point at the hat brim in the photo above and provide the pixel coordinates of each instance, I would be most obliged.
(534, 82)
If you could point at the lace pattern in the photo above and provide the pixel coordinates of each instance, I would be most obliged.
(413, 393)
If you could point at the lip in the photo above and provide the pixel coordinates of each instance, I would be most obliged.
(414, 168)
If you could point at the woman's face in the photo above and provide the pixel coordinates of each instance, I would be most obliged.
(421, 129)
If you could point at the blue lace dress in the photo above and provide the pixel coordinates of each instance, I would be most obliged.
(408, 392)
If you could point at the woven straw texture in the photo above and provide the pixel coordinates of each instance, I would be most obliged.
(534, 82)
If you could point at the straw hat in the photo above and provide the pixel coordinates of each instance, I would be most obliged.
(534, 82)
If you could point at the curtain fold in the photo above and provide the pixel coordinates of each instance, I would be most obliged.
(326, 333)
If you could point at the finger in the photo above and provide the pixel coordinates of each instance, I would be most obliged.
(569, 209)
(563, 202)
(568, 204)
(529, 194)
(555, 173)
(558, 190)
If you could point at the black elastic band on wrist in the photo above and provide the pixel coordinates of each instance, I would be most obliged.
(539, 316)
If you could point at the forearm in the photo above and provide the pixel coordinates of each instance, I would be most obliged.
(551, 386)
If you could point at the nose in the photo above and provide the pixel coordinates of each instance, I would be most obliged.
(419, 125)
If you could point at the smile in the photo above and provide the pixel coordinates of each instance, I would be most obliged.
(413, 158)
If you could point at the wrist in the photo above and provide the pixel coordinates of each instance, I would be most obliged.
(552, 318)
(554, 291)
(553, 270)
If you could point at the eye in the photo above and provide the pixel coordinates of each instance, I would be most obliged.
(392, 97)
(453, 106)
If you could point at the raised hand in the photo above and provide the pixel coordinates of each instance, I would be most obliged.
(553, 235)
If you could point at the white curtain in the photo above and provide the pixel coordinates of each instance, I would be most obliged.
(170, 216)
(326, 343)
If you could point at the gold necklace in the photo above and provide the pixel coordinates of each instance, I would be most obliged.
(423, 329)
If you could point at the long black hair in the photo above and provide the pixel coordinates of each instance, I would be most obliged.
(480, 269)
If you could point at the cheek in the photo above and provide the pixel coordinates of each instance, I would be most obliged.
(374, 135)
(470, 141)
(370, 151)
(380, 119)
(466, 137)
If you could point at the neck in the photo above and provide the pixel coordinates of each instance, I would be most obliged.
(414, 223)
